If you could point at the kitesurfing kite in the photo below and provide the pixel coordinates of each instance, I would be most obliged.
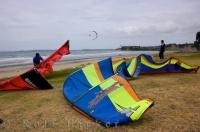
(144, 64)
(34, 78)
(26, 81)
(46, 66)
(99, 94)
(93, 35)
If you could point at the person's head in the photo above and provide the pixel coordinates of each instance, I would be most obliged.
(37, 54)
(162, 41)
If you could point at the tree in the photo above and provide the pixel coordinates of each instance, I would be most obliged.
(197, 42)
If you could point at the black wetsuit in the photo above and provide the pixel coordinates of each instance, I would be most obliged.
(162, 50)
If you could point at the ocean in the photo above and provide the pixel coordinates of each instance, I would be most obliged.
(15, 58)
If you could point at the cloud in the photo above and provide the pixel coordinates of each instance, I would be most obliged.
(44, 24)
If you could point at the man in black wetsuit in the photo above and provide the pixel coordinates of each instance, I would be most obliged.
(162, 49)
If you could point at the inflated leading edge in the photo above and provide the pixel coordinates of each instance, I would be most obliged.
(102, 96)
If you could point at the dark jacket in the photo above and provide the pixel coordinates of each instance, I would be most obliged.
(162, 48)
(37, 59)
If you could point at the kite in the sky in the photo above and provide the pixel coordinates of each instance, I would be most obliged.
(93, 35)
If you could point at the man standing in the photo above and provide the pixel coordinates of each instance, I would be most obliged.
(162, 49)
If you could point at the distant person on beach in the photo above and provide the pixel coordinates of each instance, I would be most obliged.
(37, 59)
(162, 49)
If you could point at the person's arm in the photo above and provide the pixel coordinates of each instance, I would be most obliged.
(41, 59)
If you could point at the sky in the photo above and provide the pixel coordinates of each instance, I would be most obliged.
(46, 24)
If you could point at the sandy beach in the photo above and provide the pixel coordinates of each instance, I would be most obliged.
(10, 71)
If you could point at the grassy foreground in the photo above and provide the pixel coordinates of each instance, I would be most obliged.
(176, 97)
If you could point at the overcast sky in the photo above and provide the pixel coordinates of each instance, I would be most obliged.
(46, 24)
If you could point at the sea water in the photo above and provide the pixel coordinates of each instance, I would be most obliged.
(15, 58)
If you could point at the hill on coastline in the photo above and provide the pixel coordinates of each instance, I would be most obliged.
(169, 47)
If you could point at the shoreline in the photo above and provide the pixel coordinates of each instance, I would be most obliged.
(15, 70)
(10, 71)
(26, 59)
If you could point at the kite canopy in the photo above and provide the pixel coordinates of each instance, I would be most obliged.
(120, 67)
(47, 65)
(144, 64)
(93, 35)
(103, 96)
(26, 81)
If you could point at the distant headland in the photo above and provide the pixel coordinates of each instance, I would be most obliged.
(169, 47)
(186, 47)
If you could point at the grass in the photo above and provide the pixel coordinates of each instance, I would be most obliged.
(58, 77)
(176, 98)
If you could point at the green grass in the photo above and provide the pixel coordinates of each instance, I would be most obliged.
(58, 77)
(61, 73)
(194, 56)
(9, 97)
(176, 98)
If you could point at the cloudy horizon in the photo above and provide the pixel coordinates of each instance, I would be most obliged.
(35, 24)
